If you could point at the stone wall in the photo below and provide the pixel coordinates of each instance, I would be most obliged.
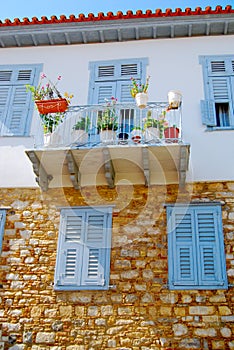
(138, 311)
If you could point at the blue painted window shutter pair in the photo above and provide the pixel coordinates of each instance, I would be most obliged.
(196, 256)
(2, 224)
(113, 78)
(16, 105)
(218, 107)
(83, 255)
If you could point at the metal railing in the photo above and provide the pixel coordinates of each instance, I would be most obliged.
(86, 126)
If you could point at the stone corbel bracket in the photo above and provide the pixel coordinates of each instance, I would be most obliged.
(73, 170)
(109, 168)
(42, 178)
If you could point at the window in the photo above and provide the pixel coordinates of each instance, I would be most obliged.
(16, 105)
(2, 224)
(83, 255)
(196, 256)
(217, 108)
(113, 78)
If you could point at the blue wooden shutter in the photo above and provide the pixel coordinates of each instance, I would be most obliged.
(83, 255)
(210, 247)
(181, 248)
(2, 224)
(218, 80)
(208, 113)
(196, 256)
(70, 249)
(115, 77)
(15, 102)
(104, 91)
(95, 251)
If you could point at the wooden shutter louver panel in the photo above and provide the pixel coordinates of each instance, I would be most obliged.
(95, 228)
(205, 224)
(233, 66)
(70, 264)
(106, 71)
(5, 76)
(94, 257)
(73, 228)
(24, 75)
(220, 89)
(208, 112)
(129, 69)
(105, 92)
(218, 66)
(183, 227)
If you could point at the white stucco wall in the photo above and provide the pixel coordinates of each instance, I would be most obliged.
(173, 64)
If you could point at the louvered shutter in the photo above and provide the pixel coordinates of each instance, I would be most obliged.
(2, 223)
(182, 259)
(209, 247)
(196, 256)
(83, 254)
(104, 91)
(93, 272)
(218, 76)
(208, 113)
(15, 102)
(70, 249)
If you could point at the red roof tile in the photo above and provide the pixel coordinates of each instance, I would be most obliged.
(119, 15)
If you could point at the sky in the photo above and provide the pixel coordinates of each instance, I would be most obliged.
(29, 8)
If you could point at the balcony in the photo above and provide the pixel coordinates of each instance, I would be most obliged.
(131, 153)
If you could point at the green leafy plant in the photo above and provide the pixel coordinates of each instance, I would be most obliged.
(108, 120)
(160, 123)
(82, 124)
(139, 87)
(46, 90)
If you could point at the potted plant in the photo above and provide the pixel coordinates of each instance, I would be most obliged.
(107, 122)
(171, 133)
(174, 99)
(80, 130)
(153, 128)
(50, 104)
(136, 134)
(139, 92)
(47, 97)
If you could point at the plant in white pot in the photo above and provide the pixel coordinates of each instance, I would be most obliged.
(107, 122)
(80, 130)
(139, 91)
(137, 134)
(154, 127)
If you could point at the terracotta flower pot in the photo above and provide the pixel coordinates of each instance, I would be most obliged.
(52, 106)
(172, 133)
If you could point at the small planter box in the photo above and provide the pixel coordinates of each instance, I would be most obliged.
(52, 106)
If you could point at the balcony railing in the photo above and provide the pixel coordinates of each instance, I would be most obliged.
(132, 126)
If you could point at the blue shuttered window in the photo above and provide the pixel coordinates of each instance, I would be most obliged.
(112, 78)
(2, 224)
(83, 255)
(16, 105)
(218, 107)
(196, 256)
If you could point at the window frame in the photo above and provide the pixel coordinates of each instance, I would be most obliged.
(195, 259)
(218, 79)
(76, 278)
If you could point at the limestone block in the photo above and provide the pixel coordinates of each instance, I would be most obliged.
(45, 337)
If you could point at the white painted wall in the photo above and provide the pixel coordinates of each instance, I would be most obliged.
(173, 64)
